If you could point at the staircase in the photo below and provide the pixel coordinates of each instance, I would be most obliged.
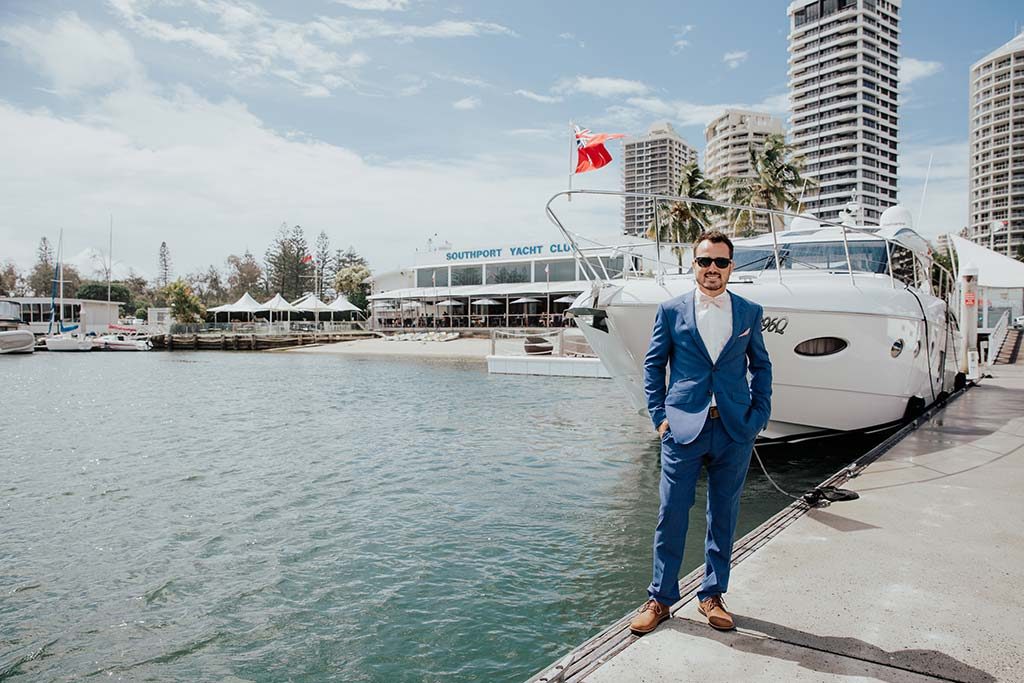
(1009, 352)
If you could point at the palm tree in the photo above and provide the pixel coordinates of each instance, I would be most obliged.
(683, 222)
(777, 184)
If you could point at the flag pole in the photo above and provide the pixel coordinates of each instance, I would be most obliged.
(572, 148)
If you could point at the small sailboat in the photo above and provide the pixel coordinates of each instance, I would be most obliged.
(62, 339)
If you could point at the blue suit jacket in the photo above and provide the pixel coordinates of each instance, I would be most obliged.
(675, 342)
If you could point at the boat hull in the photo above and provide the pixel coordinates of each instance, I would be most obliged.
(113, 343)
(17, 341)
(62, 343)
(863, 385)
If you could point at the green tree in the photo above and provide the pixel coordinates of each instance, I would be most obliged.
(208, 286)
(97, 291)
(1019, 252)
(776, 184)
(10, 279)
(288, 262)
(40, 278)
(683, 222)
(350, 281)
(322, 263)
(185, 306)
(244, 275)
(163, 266)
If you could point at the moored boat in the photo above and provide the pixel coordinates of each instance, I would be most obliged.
(857, 336)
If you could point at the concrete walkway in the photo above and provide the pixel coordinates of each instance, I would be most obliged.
(922, 579)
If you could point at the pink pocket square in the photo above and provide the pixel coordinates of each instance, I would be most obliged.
(745, 332)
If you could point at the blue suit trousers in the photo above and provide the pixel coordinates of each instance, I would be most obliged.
(726, 462)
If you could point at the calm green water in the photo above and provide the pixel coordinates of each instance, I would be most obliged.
(269, 517)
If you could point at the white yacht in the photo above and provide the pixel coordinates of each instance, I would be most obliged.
(13, 339)
(857, 337)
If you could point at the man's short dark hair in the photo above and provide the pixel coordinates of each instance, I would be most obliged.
(715, 237)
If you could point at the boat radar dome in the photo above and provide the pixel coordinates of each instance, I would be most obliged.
(804, 221)
(896, 216)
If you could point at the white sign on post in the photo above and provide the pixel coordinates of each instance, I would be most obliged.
(972, 364)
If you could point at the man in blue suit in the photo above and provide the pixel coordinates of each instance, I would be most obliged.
(709, 416)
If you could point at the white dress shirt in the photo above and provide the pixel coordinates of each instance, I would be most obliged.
(714, 322)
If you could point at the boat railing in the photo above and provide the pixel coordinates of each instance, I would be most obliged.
(921, 268)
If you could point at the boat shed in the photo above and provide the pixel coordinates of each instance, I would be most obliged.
(92, 316)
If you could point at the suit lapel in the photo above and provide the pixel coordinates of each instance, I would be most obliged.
(738, 312)
(690, 318)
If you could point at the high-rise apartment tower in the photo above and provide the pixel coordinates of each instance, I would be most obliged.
(997, 149)
(653, 163)
(843, 84)
(729, 140)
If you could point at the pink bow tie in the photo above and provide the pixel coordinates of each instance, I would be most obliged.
(706, 300)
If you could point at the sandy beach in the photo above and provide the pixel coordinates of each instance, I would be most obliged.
(463, 349)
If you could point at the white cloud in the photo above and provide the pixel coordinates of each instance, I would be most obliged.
(530, 95)
(679, 39)
(74, 56)
(915, 69)
(690, 113)
(734, 59)
(601, 86)
(312, 55)
(212, 179)
(376, 5)
(211, 43)
(345, 31)
(572, 37)
(466, 103)
(462, 80)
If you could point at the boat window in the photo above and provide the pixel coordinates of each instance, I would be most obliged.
(820, 346)
(501, 273)
(752, 259)
(613, 265)
(902, 264)
(867, 257)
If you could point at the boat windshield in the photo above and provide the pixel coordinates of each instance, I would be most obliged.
(866, 257)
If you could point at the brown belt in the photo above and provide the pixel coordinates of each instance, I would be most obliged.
(713, 412)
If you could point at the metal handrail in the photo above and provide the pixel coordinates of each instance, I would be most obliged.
(997, 337)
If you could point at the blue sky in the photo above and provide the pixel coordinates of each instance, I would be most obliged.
(208, 123)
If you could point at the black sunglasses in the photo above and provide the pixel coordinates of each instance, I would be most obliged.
(705, 261)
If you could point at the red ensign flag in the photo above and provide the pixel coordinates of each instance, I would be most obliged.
(592, 154)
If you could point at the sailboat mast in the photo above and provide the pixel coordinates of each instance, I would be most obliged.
(110, 260)
(60, 285)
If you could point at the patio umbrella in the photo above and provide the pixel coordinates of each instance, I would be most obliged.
(526, 300)
(343, 304)
(279, 305)
(448, 302)
(567, 299)
(486, 302)
(313, 304)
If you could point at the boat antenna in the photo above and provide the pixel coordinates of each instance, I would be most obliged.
(924, 190)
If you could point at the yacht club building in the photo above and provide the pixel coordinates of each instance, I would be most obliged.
(500, 285)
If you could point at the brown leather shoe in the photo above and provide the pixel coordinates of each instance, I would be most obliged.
(650, 615)
(714, 609)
